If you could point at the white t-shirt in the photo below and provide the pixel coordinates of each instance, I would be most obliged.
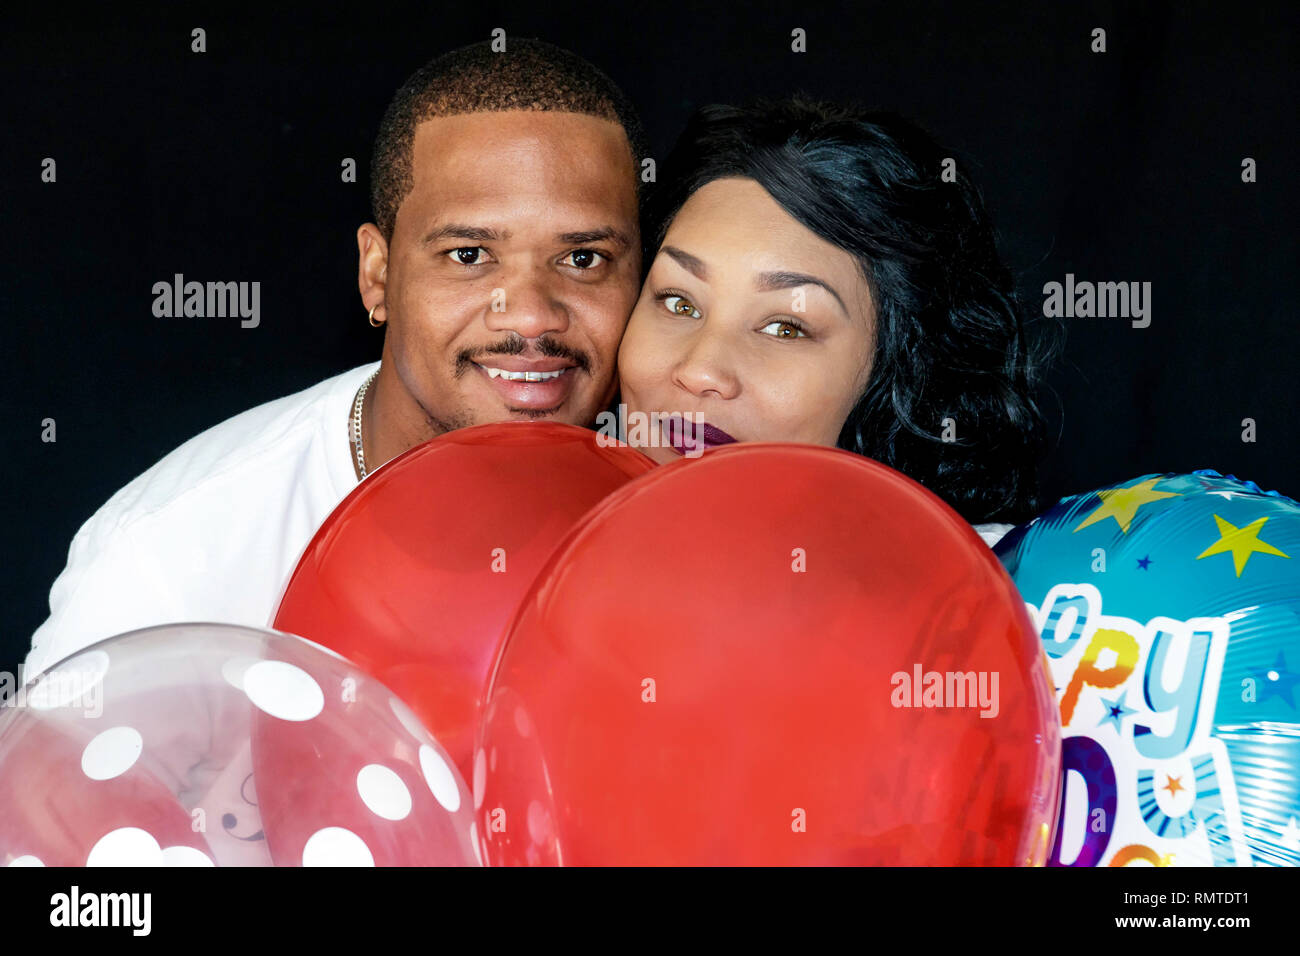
(213, 530)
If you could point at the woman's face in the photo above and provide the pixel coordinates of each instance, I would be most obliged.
(750, 322)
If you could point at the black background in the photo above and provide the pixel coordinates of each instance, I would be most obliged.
(225, 166)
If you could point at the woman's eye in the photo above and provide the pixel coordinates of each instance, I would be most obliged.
(784, 330)
(680, 305)
(583, 258)
(467, 255)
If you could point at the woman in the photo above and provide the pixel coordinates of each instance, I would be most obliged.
(816, 279)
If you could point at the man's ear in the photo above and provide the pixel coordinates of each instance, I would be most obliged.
(372, 268)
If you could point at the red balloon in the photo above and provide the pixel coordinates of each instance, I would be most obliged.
(415, 574)
(720, 666)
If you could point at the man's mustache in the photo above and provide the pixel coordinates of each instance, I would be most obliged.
(544, 347)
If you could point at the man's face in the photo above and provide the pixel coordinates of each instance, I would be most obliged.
(512, 269)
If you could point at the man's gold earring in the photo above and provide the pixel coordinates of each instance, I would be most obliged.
(372, 315)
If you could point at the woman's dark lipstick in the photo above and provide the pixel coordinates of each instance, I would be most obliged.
(686, 437)
(713, 435)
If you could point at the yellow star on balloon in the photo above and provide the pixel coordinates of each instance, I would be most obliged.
(1242, 542)
(1122, 503)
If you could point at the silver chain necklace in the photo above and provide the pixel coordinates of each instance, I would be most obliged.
(356, 423)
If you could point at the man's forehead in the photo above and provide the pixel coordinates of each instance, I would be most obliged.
(481, 146)
(562, 172)
(575, 229)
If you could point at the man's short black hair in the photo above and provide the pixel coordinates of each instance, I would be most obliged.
(528, 75)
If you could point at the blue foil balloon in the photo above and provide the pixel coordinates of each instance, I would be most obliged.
(1169, 609)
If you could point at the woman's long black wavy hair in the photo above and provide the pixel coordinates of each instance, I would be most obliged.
(951, 340)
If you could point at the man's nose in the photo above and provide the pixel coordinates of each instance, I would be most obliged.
(529, 303)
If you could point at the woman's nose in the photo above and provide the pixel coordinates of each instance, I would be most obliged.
(708, 366)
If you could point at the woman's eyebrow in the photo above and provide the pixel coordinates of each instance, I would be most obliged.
(763, 282)
(690, 263)
(770, 281)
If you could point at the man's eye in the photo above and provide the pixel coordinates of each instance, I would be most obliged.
(680, 305)
(467, 255)
(583, 258)
(784, 330)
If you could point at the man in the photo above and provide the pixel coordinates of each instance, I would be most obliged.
(503, 263)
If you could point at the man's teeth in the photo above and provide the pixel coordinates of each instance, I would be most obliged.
(523, 376)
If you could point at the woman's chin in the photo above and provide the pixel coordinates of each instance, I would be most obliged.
(662, 454)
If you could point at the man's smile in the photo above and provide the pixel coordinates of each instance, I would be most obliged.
(543, 383)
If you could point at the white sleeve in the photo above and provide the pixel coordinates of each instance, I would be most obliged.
(109, 585)
(992, 533)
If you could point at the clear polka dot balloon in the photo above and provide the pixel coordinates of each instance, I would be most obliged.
(219, 745)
